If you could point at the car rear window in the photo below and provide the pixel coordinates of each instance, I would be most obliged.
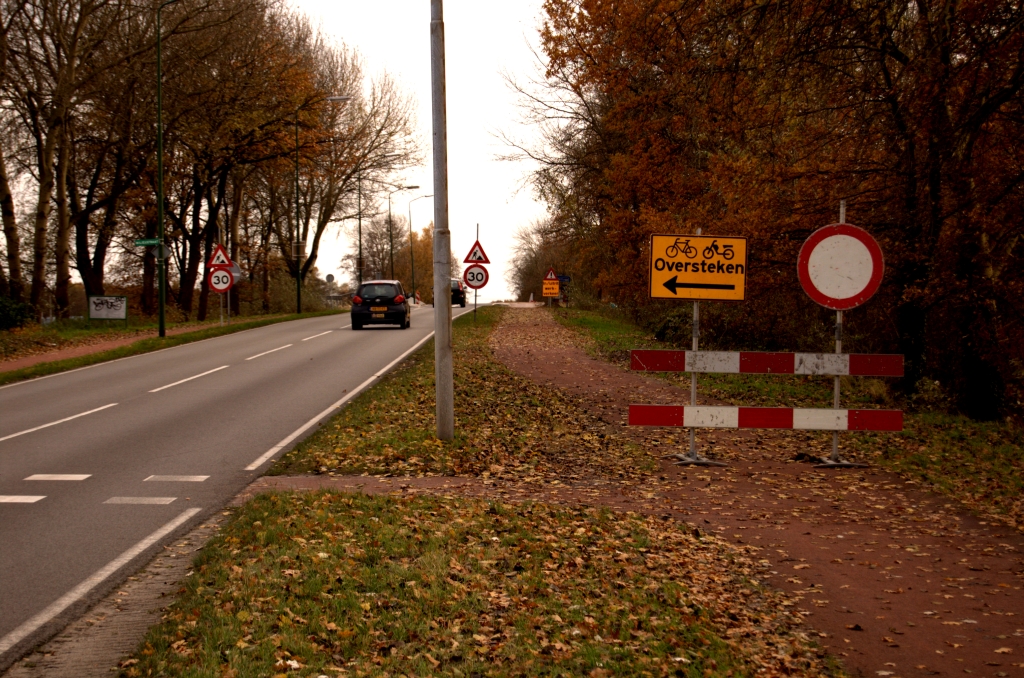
(456, 285)
(378, 291)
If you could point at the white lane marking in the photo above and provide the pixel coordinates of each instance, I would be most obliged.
(273, 350)
(54, 423)
(176, 479)
(140, 500)
(318, 335)
(222, 367)
(358, 389)
(19, 499)
(60, 476)
(74, 595)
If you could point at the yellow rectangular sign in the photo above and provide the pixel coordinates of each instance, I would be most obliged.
(551, 288)
(698, 267)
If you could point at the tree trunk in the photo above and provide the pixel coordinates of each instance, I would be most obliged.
(63, 245)
(44, 202)
(16, 285)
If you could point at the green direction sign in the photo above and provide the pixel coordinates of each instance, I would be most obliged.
(147, 242)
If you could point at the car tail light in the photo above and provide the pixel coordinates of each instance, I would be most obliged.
(357, 300)
(399, 299)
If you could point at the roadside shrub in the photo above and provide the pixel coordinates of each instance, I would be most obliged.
(13, 313)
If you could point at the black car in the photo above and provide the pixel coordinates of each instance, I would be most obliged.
(458, 292)
(380, 302)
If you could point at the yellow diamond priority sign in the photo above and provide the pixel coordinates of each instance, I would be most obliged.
(698, 268)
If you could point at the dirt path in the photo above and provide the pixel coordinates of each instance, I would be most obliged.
(896, 581)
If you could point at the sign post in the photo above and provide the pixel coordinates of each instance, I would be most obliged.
(840, 267)
(476, 275)
(222, 275)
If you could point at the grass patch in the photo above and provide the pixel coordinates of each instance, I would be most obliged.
(342, 584)
(506, 426)
(978, 463)
(146, 346)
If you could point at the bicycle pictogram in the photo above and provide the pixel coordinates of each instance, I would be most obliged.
(713, 250)
(688, 250)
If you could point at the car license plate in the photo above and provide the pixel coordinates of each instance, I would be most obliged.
(378, 315)
(378, 308)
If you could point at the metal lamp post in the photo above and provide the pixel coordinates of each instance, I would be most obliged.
(161, 260)
(391, 233)
(412, 246)
(297, 244)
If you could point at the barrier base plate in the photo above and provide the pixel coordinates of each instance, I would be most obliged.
(686, 460)
(840, 464)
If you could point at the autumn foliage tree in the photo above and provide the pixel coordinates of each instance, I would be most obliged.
(755, 119)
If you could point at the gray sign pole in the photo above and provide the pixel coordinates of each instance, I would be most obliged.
(443, 370)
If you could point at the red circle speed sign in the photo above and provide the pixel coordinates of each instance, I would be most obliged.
(221, 280)
(840, 266)
(475, 277)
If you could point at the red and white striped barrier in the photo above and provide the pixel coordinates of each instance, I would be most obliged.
(750, 362)
(765, 417)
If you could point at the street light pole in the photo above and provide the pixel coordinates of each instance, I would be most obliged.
(412, 246)
(391, 231)
(444, 383)
(161, 260)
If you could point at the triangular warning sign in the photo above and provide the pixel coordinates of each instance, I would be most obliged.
(219, 258)
(551, 275)
(476, 255)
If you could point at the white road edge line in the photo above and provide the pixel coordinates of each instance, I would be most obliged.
(266, 456)
(176, 479)
(222, 367)
(260, 355)
(79, 592)
(54, 423)
(161, 501)
(318, 335)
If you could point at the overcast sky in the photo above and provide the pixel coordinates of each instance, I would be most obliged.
(484, 40)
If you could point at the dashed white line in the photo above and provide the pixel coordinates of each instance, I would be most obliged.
(222, 367)
(60, 476)
(175, 479)
(54, 423)
(260, 355)
(358, 389)
(140, 500)
(19, 499)
(318, 335)
(74, 595)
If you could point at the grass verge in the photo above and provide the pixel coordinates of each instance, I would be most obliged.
(506, 426)
(145, 346)
(978, 463)
(340, 584)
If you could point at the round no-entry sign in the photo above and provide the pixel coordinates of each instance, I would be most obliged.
(840, 266)
(221, 280)
(475, 277)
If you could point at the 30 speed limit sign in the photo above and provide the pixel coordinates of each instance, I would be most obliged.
(475, 277)
(221, 280)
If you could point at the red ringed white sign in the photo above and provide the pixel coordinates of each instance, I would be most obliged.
(840, 266)
(475, 276)
(221, 280)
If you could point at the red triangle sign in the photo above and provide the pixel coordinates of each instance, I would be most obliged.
(551, 275)
(219, 258)
(477, 255)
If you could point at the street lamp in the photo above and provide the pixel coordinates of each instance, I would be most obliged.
(296, 243)
(412, 246)
(161, 260)
(391, 235)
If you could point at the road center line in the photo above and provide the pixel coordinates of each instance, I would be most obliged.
(54, 423)
(19, 499)
(59, 476)
(222, 367)
(176, 479)
(260, 355)
(318, 335)
(74, 595)
(312, 422)
(140, 500)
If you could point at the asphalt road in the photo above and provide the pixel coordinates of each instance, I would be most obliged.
(101, 466)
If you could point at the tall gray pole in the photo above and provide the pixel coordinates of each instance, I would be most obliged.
(443, 377)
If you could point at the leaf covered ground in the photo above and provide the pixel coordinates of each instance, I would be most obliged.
(506, 425)
(338, 584)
